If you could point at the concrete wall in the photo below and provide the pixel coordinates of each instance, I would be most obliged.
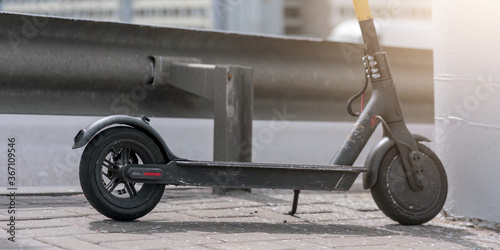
(467, 81)
(45, 158)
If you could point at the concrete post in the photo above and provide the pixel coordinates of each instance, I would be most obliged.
(262, 16)
(231, 90)
(467, 115)
(125, 9)
(233, 110)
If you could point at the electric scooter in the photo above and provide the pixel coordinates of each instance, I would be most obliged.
(126, 163)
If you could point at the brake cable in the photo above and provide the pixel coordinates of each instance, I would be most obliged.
(353, 98)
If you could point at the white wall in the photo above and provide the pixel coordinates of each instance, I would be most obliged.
(467, 84)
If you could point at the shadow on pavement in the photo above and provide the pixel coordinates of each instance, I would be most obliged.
(451, 235)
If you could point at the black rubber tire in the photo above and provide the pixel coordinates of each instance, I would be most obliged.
(394, 197)
(120, 144)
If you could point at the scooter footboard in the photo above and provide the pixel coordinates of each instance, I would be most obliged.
(245, 175)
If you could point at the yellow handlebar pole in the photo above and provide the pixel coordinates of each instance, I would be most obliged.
(362, 10)
(367, 25)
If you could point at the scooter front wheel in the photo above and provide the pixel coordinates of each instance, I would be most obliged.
(398, 201)
(102, 182)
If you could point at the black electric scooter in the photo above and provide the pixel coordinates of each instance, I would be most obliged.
(126, 164)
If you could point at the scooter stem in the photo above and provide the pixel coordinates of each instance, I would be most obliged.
(367, 25)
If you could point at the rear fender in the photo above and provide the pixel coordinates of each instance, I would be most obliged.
(85, 135)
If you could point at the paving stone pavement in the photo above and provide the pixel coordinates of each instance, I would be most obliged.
(194, 218)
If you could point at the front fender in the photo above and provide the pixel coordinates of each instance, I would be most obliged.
(85, 135)
(375, 156)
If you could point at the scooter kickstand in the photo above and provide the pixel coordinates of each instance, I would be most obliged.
(296, 193)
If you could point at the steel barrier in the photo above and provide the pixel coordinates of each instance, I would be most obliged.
(79, 67)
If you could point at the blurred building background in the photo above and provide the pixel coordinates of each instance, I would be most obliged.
(183, 13)
(400, 22)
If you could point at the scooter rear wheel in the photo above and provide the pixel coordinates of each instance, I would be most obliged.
(100, 178)
(398, 201)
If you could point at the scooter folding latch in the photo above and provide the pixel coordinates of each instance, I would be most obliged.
(370, 65)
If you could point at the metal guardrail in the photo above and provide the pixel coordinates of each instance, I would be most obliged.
(79, 67)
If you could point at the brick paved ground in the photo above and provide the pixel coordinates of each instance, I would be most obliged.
(197, 219)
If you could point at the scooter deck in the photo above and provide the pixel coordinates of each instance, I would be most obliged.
(245, 175)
